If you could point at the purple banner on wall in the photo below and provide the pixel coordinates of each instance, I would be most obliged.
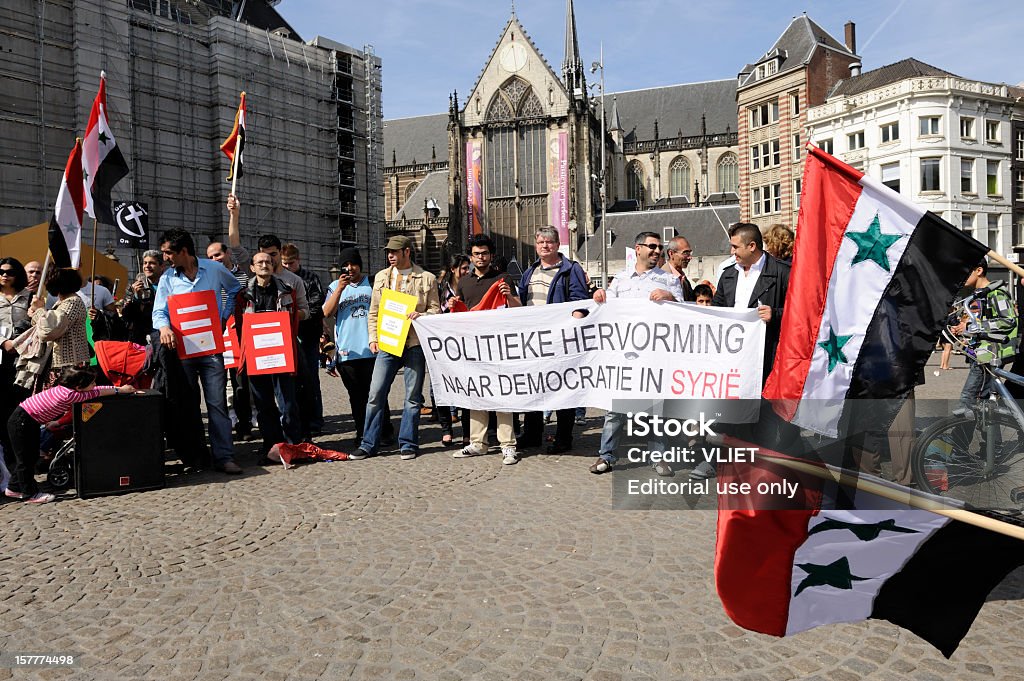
(474, 189)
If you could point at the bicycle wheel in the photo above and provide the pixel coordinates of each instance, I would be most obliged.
(950, 459)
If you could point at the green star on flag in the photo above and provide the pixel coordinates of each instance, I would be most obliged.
(872, 244)
(833, 347)
(836, 574)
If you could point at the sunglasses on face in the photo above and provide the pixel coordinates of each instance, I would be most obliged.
(653, 247)
(6, 273)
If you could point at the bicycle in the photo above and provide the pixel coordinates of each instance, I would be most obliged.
(976, 455)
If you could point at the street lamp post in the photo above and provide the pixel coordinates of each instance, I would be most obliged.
(604, 175)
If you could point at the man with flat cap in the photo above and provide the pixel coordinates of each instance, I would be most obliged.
(404, 276)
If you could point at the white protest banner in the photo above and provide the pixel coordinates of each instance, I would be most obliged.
(540, 358)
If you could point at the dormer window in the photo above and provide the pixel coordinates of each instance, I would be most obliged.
(769, 68)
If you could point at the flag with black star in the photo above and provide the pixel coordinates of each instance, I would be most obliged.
(103, 164)
(872, 280)
(781, 572)
(235, 143)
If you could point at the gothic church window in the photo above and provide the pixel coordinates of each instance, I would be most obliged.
(635, 183)
(728, 174)
(679, 177)
(410, 189)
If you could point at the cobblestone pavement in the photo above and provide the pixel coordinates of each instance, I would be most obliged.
(437, 568)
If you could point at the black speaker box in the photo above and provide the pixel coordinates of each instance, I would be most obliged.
(119, 444)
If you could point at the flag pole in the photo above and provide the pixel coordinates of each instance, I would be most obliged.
(859, 483)
(42, 277)
(234, 161)
(92, 297)
(1013, 267)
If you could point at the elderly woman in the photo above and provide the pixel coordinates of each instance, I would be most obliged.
(137, 313)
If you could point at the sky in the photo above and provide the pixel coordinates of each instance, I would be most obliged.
(430, 47)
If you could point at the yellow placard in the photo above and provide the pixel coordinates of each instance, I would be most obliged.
(393, 320)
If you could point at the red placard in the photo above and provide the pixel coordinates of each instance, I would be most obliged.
(195, 320)
(269, 343)
(232, 352)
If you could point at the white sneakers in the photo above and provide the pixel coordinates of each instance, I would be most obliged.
(472, 449)
(509, 455)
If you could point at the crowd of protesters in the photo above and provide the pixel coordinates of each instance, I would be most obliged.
(45, 346)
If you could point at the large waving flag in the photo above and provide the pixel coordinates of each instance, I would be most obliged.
(872, 280)
(102, 161)
(235, 143)
(66, 224)
(780, 572)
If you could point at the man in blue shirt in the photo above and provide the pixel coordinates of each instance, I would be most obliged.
(348, 300)
(188, 274)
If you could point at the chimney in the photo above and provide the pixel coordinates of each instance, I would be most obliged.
(855, 69)
(851, 36)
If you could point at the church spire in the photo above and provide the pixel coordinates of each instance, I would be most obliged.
(572, 65)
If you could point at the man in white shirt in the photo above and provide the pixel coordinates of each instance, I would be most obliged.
(645, 281)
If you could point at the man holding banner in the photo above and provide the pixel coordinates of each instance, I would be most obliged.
(400, 276)
(486, 288)
(186, 275)
(645, 281)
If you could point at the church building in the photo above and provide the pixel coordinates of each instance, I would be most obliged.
(523, 148)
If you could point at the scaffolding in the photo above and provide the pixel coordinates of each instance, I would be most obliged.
(175, 69)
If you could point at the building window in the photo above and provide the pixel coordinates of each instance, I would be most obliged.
(890, 132)
(930, 175)
(1018, 185)
(967, 175)
(992, 131)
(891, 176)
(825, 145)
(766, 199)
(769, 68)
(794, 103)
(764, 155)
(993, 231)
(992, 178)
(797, 188)
(929, 125)
(635, 183)
(410, 189)
(1020, 145)
(855, 140)
(797, 148)
(764, 114)
(967, 223)
(967, 127)
(679, 177)
(728, 174)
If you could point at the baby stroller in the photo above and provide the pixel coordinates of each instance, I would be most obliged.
(122, 363)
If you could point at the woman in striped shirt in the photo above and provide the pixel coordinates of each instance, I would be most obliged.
(76, 384)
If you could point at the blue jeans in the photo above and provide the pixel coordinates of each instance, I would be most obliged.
(385, 369)
(277, 412)
(209, 371)
(614, 423)
(976, 386)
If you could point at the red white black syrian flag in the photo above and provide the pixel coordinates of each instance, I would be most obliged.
(235, 143)
(102, 161)
(872, 280)
(65, 234)
(785, 571)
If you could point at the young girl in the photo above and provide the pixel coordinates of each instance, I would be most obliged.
(76, 384)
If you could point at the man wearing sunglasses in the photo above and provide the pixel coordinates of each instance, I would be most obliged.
(645, 281)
